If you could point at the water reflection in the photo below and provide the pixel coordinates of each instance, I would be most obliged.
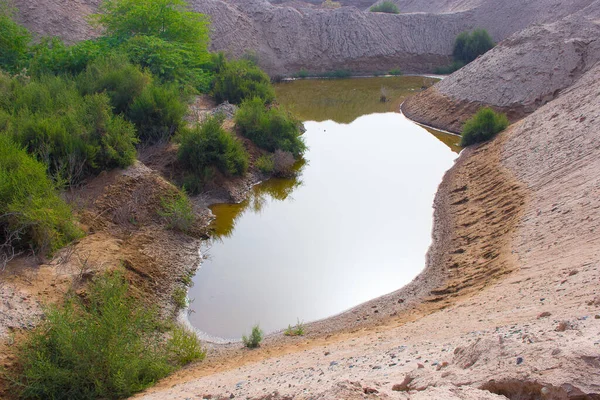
(279, 189)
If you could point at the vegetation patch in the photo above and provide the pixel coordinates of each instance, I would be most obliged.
(208, 145)
(32, 215)
(265, 163)
(106, 345)
(271, 128)
(467, 47)
(177, 211)
(297, 330)
(253, 341)
(385, 7)
(483, 126)
(241, 79)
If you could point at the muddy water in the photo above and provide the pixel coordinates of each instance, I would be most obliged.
(355, 224)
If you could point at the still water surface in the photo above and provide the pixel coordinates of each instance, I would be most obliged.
(355, 224)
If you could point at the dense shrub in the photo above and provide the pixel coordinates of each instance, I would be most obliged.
(107, 345)
(395, 72)
(52, 56)
(386, 7)
(241, 79)
(117, 77)
(31, 213)
(157, 112)
(330, 4)
(73, 135)
(209, 145)
(469, 46)
(14, 40)
(255, 338)
(483, 126)
(265, 163)
(270, 128)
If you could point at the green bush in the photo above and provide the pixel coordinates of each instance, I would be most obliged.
(108, 345)
(469, 46)
(241, 79)
(209, 145)
(483, 126)
(180, 298)
(114, 75)
(74, 135)
(270, 128)
(31, 212)
(52, 56)
(157, 112)
(395, 72)
(385, 7)
(255, 338)
(265, 163)
(177, 212)
(14, 40)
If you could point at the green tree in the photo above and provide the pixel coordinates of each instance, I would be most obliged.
(14, 40)
(469, 46)
(385, 7)
(239, 80)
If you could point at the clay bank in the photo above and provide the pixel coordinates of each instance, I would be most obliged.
(354, 224)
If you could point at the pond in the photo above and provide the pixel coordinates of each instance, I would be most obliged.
(353, 225)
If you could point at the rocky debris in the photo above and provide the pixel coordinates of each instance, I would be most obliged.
(544, 315)
(404, 386)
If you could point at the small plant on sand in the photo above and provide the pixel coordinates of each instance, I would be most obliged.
(297, 330)
(265, 163)
(395, 72)
(386, 7)
(177, 212)
(184, 347)
(255, 338)
(483, 126)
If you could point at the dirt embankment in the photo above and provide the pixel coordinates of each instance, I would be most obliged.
(518, 76)
(289, 38)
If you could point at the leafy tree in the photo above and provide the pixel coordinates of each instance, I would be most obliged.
(483, 126)
(14, 40)
(469, 46)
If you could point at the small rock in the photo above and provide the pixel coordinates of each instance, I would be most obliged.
(369, 390)
(544, 315)
(519, 360)
(562, 326)
(597, 316)
(331, 364)
(594, 302)
(555, 352)
(400, 301)
(327, 353)
(377, 367)
(442, 365)
(231, 396)
(574, 272)
(207, 397)
(403, 387)
(419, 365)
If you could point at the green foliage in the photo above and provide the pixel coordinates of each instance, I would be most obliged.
(31, 212)
(255, 338)
(107, 345)
(52, 56)
(74, 135)
(395, 72)
(469, 46)
(180, 298)
(157, 112)
(455, 66)
(209, 145)
(184, 347)
(265, 163)
(385, 7)
(14, 40)
(270, 128)
(483, 126)
(177, 212)
(122, 81)
(241, 79)
(331, 5)
(297, 330)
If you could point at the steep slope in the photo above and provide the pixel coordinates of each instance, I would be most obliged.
(558, 53)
